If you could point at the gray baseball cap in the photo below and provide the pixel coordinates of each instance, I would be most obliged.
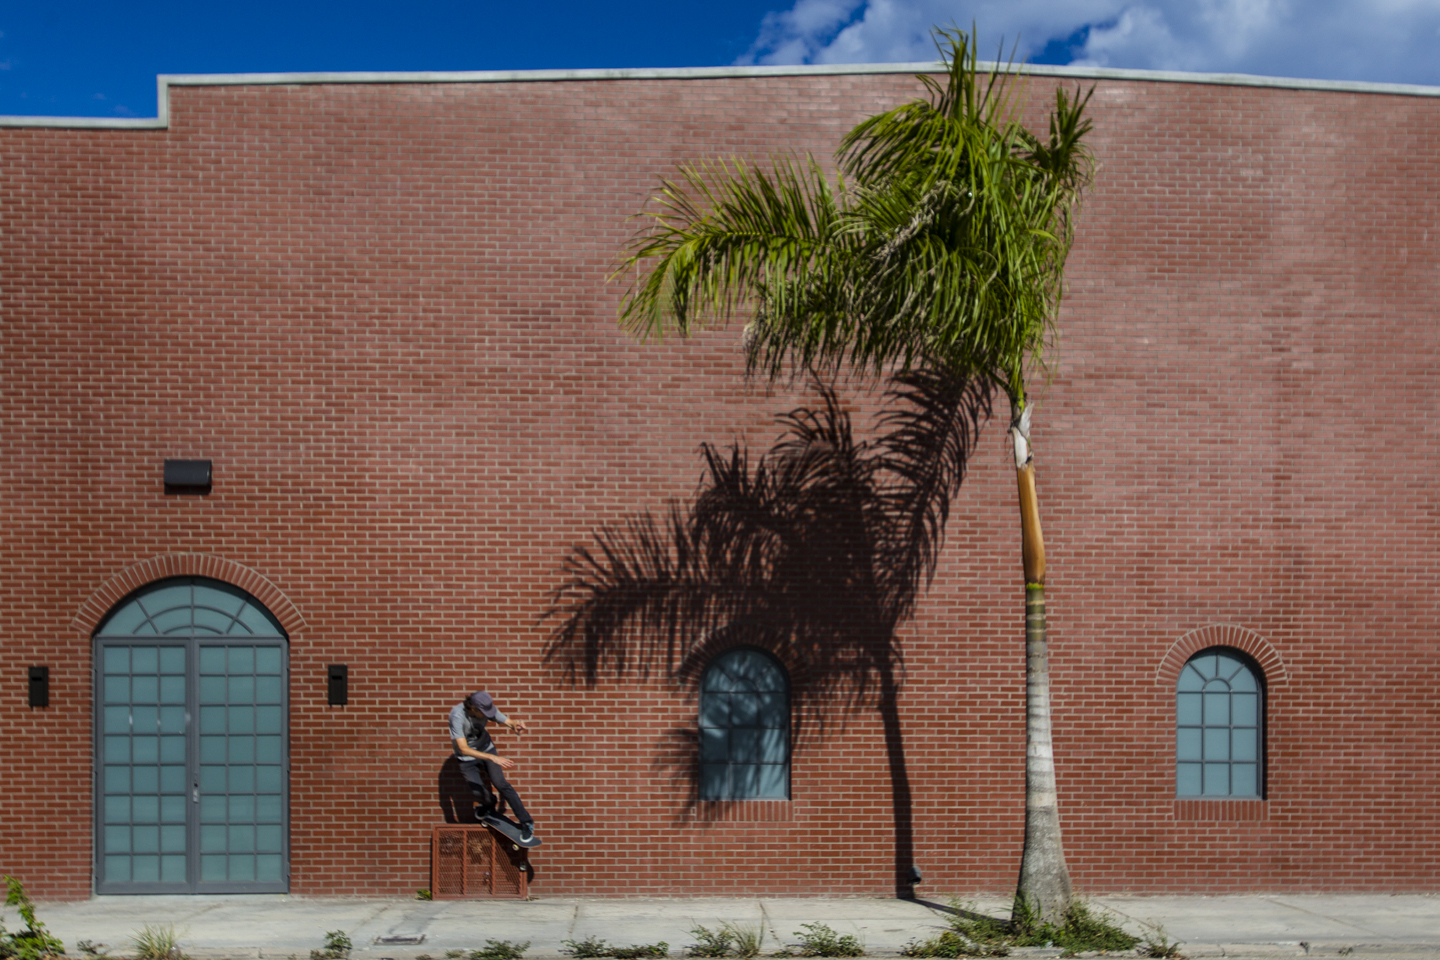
(482, 701)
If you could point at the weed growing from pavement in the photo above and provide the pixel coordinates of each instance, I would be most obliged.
(34, 942)
(731, 940)
(595, 947)
(710, 943)
(975, 935)
(1086, 931)
(337, 946)
(160, 942)
(748, 939)
(424, 894)
(955, 943)
(818, 940)
(499, 950)
(1157, 944)
(92, 949)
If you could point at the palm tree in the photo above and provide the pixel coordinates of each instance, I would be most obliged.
(943, 245)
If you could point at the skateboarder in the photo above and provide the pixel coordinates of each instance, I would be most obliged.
(480, 759)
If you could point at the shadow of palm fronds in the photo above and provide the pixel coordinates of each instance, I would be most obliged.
(816, 551)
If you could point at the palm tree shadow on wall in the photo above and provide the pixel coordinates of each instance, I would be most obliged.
(816, 552)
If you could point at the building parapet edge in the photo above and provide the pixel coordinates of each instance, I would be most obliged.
(165, 81)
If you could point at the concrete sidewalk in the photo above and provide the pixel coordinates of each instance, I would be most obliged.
(278, 926)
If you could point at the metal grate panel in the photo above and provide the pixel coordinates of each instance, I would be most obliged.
(447, 864)
(475, 863)
(512, 869)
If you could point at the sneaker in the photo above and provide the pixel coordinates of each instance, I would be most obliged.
(480, 813)
(527, 832)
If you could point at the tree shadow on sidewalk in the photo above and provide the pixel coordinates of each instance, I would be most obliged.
(816, 552)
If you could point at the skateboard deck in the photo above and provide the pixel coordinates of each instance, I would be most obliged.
(510, 829)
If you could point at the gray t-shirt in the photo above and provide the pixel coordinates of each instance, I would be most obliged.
(472, 731)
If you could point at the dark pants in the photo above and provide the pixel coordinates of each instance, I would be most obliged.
(476, 774)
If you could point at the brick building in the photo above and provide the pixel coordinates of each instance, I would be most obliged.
(378, 306)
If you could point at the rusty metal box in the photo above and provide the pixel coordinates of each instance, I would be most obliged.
(473, 862)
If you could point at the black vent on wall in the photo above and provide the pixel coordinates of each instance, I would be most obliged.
(338, 688)
(187, 476)
(39, 686)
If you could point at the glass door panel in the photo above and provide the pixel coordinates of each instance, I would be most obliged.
(241, 764)
(143, 766)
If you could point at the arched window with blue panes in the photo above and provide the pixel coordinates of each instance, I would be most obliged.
(1220, 727)
(191, 783)
(745, 728)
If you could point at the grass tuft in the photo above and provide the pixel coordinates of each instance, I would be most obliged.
(158, 943)
(731, 940)
(1157, 944)
(818, 940)
(711, 943)
(337, 946)
(595, 947)
(499, 950)
(976, 935)
(1084, 931)
(748, 940)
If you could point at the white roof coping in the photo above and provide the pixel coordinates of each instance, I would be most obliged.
(165, 81)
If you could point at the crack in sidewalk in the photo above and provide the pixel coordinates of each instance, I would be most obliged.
(1321, 916)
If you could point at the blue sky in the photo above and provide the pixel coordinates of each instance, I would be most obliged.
(62, 58)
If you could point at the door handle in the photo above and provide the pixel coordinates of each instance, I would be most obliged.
(195, 793)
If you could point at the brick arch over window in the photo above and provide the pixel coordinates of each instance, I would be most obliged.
(692, 668)
(1221, 635)
(99, 603)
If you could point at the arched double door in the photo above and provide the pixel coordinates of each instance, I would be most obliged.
(191, 758)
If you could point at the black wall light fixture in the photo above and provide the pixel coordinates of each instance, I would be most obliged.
(187, 476)
(338, 688)
(39, 686)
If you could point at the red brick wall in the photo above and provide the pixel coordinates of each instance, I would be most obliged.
(382, 311)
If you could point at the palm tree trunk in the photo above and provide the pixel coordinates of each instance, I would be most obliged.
(1044, 885)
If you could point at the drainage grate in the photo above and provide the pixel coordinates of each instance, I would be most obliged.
(473, 863)
(419, 939)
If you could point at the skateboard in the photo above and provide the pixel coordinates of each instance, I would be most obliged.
(509, 828)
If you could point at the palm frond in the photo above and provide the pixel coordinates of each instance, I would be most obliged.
(731, 235)
(946, 249)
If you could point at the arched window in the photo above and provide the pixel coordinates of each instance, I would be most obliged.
(190, 606)
(745, 728)
(1220, 726)
(190, 781)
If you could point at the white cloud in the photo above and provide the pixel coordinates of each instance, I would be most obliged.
(798, 34)
(1381, 40)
